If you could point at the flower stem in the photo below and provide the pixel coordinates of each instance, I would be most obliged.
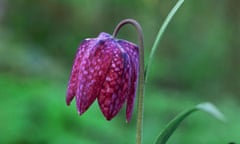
(160, 33)
(141, 82)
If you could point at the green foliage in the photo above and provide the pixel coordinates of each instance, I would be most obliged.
(198, 61)
(33, 111)
(173, 124)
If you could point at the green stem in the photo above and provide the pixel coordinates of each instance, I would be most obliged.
(160, 33)
(141, 82)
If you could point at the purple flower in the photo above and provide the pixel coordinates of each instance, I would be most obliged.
(105, 69)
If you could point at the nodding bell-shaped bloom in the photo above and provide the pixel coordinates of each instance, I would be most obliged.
(105, 69)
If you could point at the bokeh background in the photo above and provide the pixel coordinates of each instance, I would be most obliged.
(198, 60)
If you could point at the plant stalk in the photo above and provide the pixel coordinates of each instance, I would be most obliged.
(141, 82)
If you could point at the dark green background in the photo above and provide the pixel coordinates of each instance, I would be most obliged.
(197, 61)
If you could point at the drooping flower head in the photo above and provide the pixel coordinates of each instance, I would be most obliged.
(106, 69)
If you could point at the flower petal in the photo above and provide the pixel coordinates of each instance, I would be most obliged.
(133, 51)
(115, 87)
(72, 84)
(92, 73)
(106, 69)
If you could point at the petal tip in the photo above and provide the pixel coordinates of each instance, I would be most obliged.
(68, 100)
(68, 103)
(108, 118)
(80, 112)
(128, 118)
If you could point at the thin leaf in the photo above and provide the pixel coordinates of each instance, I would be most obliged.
(172, 125)
(160, 33)
(211, 109)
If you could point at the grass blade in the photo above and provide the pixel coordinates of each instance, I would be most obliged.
(160, 33)
(173, 124)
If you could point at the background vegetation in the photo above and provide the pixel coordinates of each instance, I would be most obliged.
(198, 61)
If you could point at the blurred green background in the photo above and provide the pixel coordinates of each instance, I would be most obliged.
(198, 60)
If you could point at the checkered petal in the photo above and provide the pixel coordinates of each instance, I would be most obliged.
(133, 51)
(116, 86)
(73, 81)
(105, 69)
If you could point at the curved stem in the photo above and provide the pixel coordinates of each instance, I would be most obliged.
(141, 82)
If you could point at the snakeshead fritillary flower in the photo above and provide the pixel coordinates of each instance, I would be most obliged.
(105, 69)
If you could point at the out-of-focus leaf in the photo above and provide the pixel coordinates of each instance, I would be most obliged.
(172, 125)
